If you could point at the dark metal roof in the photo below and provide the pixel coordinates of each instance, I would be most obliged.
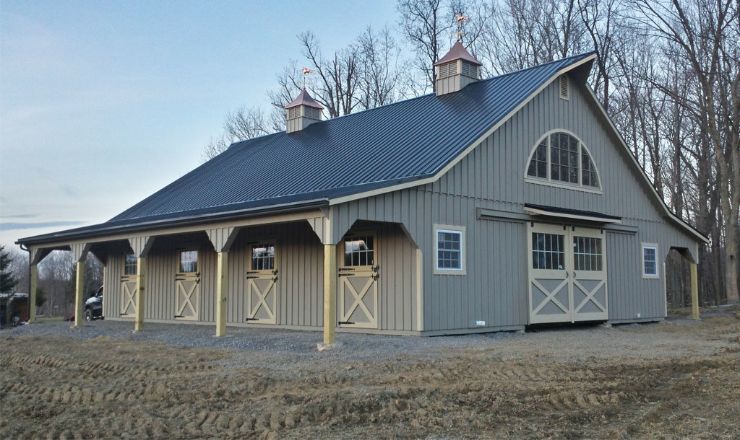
(401, 142)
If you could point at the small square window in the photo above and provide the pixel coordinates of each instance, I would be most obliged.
(650, 261)
(129, 267)
(188, 261)
(449, 243)
(263, 256)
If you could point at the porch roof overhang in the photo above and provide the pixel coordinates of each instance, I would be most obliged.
(571, 214)
(116, 229)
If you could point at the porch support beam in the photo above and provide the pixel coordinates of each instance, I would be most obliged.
(32, 294)
(79, 292)
(330, 293)
(222, 239)
(222, 291)
(79, 253)
(141, 245)
(140, 277)
(694, 291)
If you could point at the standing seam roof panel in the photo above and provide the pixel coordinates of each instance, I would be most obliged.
(404, 141)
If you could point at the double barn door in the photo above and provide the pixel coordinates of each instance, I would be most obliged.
(567, 274)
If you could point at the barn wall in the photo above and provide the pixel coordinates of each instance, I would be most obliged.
(299, 255)
(492, 177)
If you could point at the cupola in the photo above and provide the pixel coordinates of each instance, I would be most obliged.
(302, 112)
(456, 70)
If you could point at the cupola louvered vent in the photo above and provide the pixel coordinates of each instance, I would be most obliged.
(302, 112)
(456, 70)
(564, 91)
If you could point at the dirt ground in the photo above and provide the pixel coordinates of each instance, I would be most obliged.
(676, 379)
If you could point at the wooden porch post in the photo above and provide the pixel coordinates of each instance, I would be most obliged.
(222, 239)
(140, 278)
(79, 292)
(32, 294)
(141, 246)
(222, 289)
(694, 292)
(79, 252)
(330, 293)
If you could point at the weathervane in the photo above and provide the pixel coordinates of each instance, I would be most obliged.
(306, 72)
(460, 19)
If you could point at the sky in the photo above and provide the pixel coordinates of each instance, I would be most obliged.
(103, 103)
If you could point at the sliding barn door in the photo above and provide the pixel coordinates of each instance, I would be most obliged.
(567, 274)
(549, 281)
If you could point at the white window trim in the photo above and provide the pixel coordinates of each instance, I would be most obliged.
(654, 246)
(463, 249)
(557, 183)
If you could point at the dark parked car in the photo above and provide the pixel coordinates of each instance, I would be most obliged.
(94, 305)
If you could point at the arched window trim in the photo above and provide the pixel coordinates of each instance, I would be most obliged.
(558, 183)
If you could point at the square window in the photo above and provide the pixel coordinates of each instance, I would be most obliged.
(449, 242)
(263, 256)
(129, 267)
(188, 261)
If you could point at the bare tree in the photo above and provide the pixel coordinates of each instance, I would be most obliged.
(424, 26)
(705, 33)
(381, 76)
(524, 33)
(239, 125)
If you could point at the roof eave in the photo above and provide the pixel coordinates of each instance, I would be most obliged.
(76, 234)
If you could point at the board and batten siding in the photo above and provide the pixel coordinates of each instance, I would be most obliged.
(299, 260)
(494, 289)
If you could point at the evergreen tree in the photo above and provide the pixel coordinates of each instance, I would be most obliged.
(7, 280)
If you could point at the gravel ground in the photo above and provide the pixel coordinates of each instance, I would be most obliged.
(560, 343)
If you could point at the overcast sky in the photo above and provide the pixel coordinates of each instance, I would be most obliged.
(103, 103)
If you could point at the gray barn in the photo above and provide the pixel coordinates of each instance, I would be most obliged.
(489, 205)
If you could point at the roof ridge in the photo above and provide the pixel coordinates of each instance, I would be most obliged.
(503, 75)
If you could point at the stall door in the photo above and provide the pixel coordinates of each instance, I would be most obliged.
(262, 278)
(127, 305)
(128, 296)
(187, 287)
(567, 274)
(358, 283)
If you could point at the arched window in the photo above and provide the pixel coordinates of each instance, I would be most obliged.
(561, 159)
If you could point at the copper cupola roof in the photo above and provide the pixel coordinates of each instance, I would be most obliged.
(458, 52)
(304, 98)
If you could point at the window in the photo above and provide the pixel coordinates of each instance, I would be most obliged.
(548, 251)
(449, 242)
(359, 251)
(263, 256)
(649, 260)
(188, 261)
(129, 265)
(560, 159)
(587, 253)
